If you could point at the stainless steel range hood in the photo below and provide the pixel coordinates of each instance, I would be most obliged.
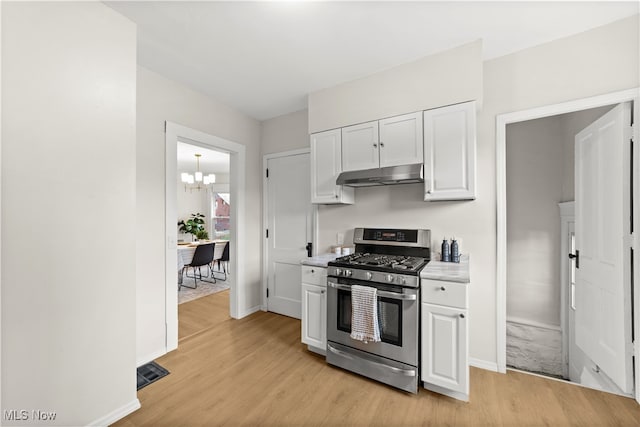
(404, 174)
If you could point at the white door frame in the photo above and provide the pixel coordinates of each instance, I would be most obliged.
(265, 199)
(502, 120)
(567, 217)
(174, 133)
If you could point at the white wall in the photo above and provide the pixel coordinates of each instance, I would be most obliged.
(161, 99)
(190, 202)
(449, 77)
(286, 132)
(535, 163)
(555, 72)
(68, 165)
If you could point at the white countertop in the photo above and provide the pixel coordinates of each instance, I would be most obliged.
(320, 260)
(447, 271)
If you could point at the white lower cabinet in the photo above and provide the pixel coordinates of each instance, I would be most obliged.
(445, 350)
(314, 308)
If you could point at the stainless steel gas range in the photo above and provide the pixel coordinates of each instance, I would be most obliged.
(389, 260)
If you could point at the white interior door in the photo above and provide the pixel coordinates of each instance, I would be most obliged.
(602, 290)
(289, 225)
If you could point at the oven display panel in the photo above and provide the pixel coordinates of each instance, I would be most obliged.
(390, 235)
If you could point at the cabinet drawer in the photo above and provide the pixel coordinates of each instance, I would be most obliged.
(444, 293)
(314, 275)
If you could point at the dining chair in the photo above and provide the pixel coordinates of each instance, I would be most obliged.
(224, 258)
(203, 256)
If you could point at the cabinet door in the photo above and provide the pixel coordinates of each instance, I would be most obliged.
(314, 316)
(326, 165)
(360, 147)
(444, 347)
(401, 141)
(450, 152)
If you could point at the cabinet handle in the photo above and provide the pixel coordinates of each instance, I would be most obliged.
(336, 196)
(382, 144)
(442, 288)
(461, 316)
(375, 145)
(322, 291)
(312, 270)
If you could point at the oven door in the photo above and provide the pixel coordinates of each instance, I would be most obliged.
(398, 310)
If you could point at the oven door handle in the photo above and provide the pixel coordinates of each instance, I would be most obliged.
(406, 372)
(385, 294)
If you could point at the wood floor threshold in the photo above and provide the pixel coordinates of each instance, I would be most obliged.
(562, 380)
(182, 340)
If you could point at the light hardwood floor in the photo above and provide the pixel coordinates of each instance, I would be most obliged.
(201, 314)
(255, 371)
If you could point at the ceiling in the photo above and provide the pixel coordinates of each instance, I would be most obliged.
(263, 58)
(210, 162)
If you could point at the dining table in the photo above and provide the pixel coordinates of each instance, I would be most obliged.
(186, 251)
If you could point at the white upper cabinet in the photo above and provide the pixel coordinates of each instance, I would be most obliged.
(401, 140)
(326, 165)
(388, 142)
(360, 147)
(450, 152)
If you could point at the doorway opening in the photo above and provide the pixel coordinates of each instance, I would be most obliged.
(553, 323)
(176, 135)
(203, 209)
(540, 233)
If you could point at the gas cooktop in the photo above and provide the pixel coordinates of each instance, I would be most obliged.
(381, 262)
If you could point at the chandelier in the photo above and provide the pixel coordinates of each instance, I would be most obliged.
(195, 180)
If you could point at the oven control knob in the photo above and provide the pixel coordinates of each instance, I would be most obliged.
(390, 278)
(347, 273)
(403, 280)
(368, 275)
(338, 272)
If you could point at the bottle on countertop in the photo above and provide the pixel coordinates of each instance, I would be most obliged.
(446, 255)
(455, 251)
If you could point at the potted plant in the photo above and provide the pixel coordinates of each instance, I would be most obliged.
(194, 226)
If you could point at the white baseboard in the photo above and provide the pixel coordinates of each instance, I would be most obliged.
(249, 311)
(117, 414)
(150, 357)
(483, 364)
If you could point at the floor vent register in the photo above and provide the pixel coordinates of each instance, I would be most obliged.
(149, 373)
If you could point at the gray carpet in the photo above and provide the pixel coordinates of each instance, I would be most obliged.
(203, 289)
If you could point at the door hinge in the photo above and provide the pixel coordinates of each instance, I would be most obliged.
(165, 127)
(267, 172)
(630, 241)
(629, 133)
(267, 292)
(267, 233)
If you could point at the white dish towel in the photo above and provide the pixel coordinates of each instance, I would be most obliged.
(364, 314)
